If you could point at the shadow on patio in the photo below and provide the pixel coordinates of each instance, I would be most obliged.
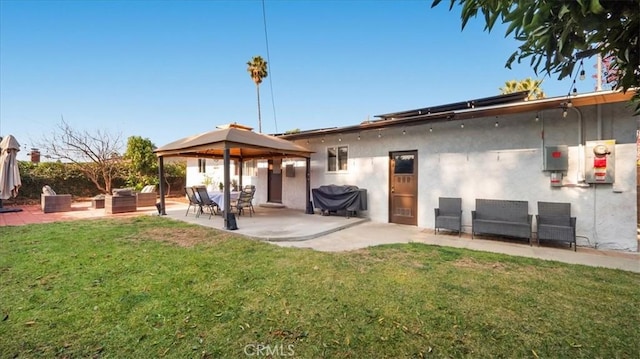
(273, 224)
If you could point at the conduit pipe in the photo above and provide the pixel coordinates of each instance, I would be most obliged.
(580, 172)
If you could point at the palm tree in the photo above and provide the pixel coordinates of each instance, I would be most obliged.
(528, 84)
(257, 68)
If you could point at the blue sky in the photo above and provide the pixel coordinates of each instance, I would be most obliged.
(165, 70)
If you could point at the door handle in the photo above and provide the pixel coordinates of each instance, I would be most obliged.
(393, 189)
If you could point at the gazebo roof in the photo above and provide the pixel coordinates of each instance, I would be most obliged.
(241, 141)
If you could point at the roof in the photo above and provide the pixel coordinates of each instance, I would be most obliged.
(479, 108)
(240, 140)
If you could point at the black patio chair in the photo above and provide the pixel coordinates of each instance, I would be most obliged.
(193, 201)
(244, 201)
(554, 223)
(206, 201)
(449, 214)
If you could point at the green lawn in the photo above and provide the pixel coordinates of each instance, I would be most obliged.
(153, 287)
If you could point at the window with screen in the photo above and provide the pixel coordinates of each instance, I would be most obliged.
(337, 158)
(249, 168)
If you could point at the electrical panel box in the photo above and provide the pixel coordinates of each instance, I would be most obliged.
(556, 158)
(290, 171)
(600, 160)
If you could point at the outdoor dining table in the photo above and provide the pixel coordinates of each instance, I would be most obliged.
(218, 197)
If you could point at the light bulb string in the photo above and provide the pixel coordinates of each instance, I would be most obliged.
(578, 73)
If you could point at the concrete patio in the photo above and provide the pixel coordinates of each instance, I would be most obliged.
(294, 228)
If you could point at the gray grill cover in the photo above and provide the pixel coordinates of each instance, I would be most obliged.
(333, 198)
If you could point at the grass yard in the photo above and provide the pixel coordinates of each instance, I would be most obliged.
(153, 287)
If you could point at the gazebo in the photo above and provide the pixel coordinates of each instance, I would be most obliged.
(232, 141)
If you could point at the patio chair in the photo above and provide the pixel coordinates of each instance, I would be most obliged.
(554, 223)
(193, 201)
(449, 214)
(52, 202)
(147, 196)
(205, 200)
(244, 201)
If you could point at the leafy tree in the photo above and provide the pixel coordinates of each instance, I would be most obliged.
(94, 154)
(257, 68)
(528, 84)
(561, 32)
(142, 162)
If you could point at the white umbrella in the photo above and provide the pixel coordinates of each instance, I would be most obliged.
(9, 172)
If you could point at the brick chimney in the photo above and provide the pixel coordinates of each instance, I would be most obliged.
(35, 155)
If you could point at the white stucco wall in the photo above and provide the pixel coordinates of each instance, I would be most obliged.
(504, 162)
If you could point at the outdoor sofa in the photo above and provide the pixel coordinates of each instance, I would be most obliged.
(502, 217)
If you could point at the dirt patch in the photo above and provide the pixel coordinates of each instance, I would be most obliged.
(184, 237)
(471, 263)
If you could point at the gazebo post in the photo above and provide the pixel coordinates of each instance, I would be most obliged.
(241, 164)
(308, 170)
(229, 218)
(161, 209)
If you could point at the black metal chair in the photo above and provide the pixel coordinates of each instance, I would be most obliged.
(554, 223)
(205, 200)
(449, 214)
(244, 201)
(193, 201)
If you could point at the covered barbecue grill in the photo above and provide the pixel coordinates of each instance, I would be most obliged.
(333, 198)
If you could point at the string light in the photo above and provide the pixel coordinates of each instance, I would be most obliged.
(379, 133)
(462, 125)
(358, 136)
(404, 132)
(497, 124)
(322, 139)
(431, 129)
(573, 89)
(537, 118)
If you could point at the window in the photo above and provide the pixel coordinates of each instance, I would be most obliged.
(403, 164)
(337, 158)
(202, 165)
(249, 168)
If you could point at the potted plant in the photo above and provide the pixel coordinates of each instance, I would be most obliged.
(208, 182)
(234, 185)
(221, 186)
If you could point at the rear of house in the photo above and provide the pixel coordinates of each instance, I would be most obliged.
(501, 147)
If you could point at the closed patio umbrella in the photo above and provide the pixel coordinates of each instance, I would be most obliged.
(9, 172)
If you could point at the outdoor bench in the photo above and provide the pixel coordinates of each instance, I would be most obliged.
(502, 217)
